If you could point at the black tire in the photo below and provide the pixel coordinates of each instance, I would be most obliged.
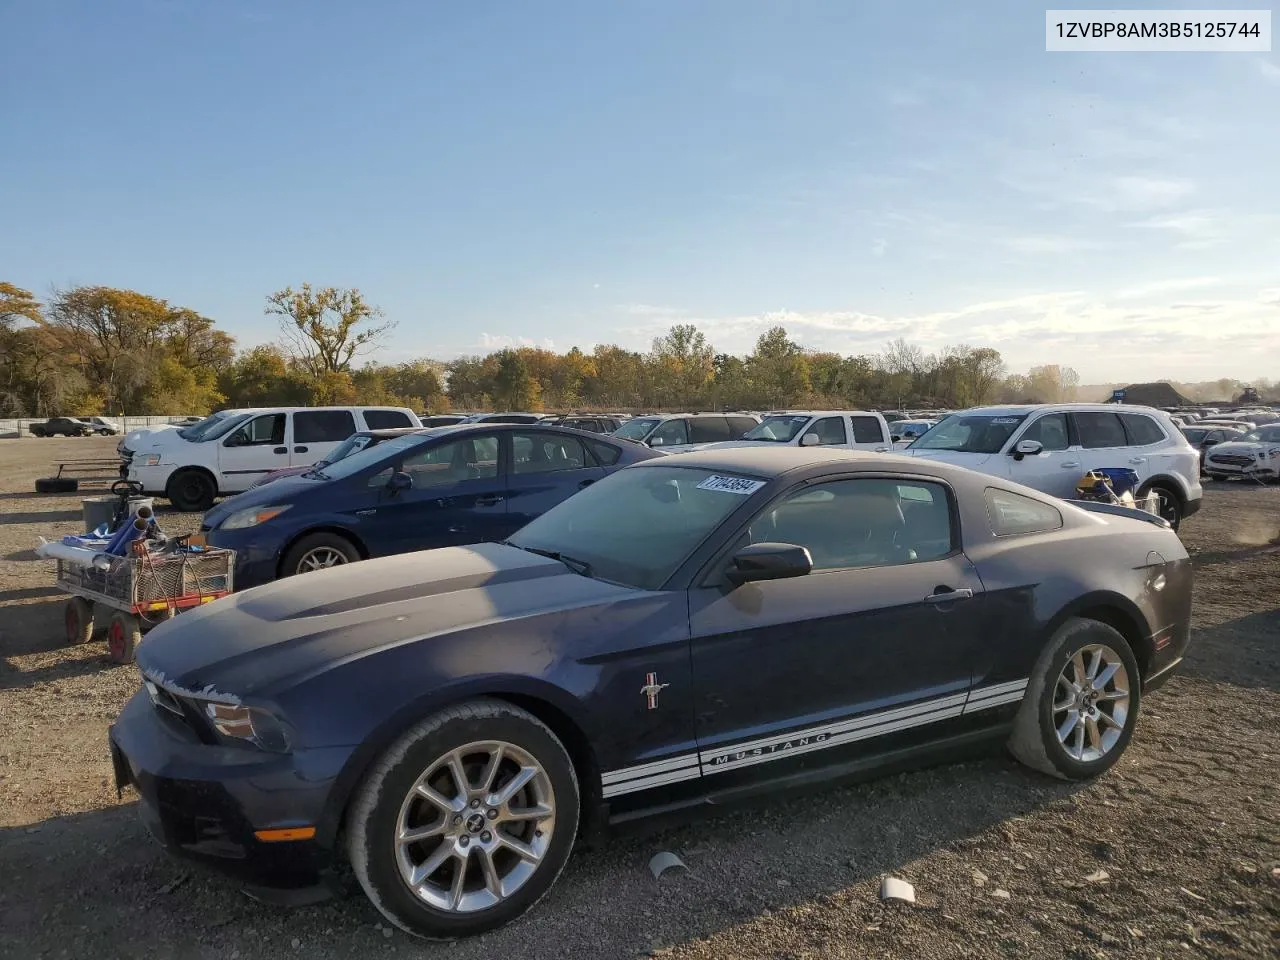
(123, 636)
(334, 545)
(1035, 740)
(191, 491)
(77, 619)
(374, 815)
(1171, 506)
(57, 485)
(104, 433)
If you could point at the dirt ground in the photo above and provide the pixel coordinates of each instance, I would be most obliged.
(1175, 853)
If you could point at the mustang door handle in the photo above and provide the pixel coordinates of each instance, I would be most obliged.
(1071, 465)
(948, 596)
(280, 450)
(488, 500)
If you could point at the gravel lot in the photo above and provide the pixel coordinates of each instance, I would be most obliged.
(1175, 853)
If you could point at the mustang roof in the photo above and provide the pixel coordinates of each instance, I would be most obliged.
(773, 462)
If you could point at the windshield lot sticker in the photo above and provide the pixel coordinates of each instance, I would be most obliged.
(739, 485)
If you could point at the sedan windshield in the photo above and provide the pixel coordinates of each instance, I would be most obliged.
(636, 429)
(970, 433)
(638, 526)
(777, 429)
(354, 462)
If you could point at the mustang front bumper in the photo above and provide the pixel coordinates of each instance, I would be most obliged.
(209, 802)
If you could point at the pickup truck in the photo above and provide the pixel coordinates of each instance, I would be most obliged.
(845, 429)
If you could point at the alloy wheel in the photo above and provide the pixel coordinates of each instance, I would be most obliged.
(1091, 702)
(321, 558)
(475, 826)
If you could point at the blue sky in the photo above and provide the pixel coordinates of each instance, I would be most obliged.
(576, 172)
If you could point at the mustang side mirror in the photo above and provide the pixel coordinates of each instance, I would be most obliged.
(1027, 448)
(769, 561)
(399, 481)
(809, 440)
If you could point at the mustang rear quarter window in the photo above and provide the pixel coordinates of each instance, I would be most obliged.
(1012, 514)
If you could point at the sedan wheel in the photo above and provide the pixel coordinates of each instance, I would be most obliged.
(466, 820)
(1081, 703)
(319, 559)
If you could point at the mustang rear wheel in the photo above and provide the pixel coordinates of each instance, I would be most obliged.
(465, 822)
(1081, 705)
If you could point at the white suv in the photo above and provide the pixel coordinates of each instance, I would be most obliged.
(1050, 446)
(228, 453)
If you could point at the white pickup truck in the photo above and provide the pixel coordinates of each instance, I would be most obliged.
(845, 429)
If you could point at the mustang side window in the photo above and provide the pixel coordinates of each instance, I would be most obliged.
(861, 523)
(1012, 514)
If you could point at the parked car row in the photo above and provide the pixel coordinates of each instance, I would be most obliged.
(73, 427)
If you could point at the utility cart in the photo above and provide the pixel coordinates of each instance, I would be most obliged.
(141, 590)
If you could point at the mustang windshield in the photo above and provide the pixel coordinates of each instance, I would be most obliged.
(778, 429)
(637, 526)
(636, 429)
(970, 433)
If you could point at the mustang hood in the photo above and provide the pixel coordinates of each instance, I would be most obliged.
(266, 637)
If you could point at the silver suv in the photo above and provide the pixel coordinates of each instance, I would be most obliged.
(1050, 446)
(675, 432)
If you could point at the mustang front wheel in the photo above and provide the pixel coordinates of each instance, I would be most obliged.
(466, 821)
(1081, 704)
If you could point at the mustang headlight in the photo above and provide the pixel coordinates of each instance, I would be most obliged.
(252, 516)
(250, 724)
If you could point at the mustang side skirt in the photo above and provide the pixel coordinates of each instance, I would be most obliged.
(703, 763)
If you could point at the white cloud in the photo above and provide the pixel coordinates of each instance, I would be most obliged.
(1148, 193)
(1175, 285)
(878, 246)
(489, 342)
(1051, 244)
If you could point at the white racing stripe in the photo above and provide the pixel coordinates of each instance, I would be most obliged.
(660, 773)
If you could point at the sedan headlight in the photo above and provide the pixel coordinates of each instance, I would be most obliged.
(250, 724)
(252, 516)
(147, 460)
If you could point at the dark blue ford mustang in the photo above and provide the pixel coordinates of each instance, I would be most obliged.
(692, 629)
(436, 488)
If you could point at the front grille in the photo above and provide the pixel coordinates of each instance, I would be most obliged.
(1232, 459)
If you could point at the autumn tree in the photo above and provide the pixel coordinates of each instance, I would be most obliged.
(513, 387)
(326, 329)
(682, 365)
(778, 369)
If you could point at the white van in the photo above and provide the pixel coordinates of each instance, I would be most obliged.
(228, 452)
(841, 429)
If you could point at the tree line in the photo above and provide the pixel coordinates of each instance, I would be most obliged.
(92, 350)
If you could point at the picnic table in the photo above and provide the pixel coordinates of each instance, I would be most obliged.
(73, 474)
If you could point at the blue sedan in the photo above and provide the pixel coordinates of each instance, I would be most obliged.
(448, 487)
